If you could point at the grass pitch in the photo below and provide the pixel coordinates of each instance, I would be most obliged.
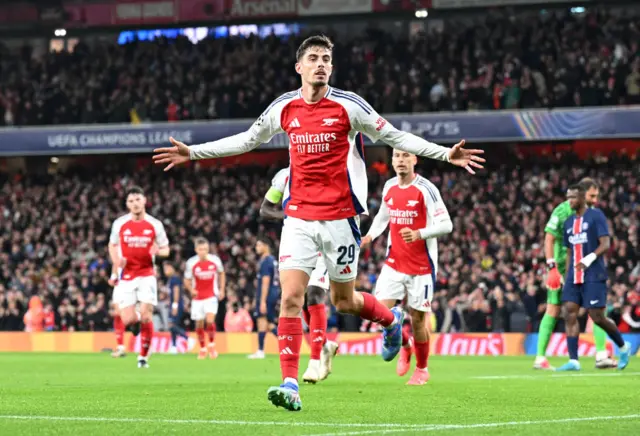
(74, 394)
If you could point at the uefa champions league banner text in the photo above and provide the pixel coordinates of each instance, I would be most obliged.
(453, 344)
(490, 126)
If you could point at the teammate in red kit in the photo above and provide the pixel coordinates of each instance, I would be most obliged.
(136, 238)
(204, 278)
(327, 191)
(416, 215)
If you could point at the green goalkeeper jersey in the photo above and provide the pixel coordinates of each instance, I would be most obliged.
(555, 227)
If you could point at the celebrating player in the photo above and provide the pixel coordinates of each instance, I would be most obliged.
(314, 309)
(586, 234)
(204, 278)
(174, 284)
(267, 295)
(327, 191)
(556, 254)
(413, 208)
(136, 238)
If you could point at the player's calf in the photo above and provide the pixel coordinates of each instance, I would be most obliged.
(598, 316)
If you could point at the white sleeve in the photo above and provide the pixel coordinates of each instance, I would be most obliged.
(280, 180)
(380, 221)
(262, 130)
(114, 238)
(188, 269)
(366, 120)
(438, 221)
(161, 235)
(218, 263)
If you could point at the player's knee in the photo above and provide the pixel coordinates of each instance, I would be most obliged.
(597, 315)
(146, 317)
(291, 301)
(553, 310)
(315, 295)
(418, 318)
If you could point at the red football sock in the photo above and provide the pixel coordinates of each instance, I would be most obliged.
(375, 311)
(200, 333)
(146, 333)
(289, 343)
(211, 330)
(317, 329)
(307, 316)
(422, 354)
(406, 335)
(118, 329)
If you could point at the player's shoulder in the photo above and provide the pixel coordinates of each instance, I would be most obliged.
(282, 174)
(122, 219)
(192, 261)
(155, 222)
(427, 187)
(349, 100)
(213, 258)
(390, 183)
(282, 101)
(598, 213)
(563, 209)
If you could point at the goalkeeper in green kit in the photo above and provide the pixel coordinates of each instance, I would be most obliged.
(556, 254)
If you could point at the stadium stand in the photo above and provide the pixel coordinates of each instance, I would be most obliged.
(500, 61)
(491, 266)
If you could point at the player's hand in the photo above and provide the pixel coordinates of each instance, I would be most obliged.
(581, 266)
(154, 249)
(365, 241)
(410, 235)
(554, 279)
(465, 158)
(176, 155)
(174, 311)
(263, 308)
(113, 280)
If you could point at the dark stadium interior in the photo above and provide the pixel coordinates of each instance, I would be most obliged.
(491, 267)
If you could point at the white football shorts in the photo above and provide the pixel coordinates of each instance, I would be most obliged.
(394, 285)
(200, 308)
(338, 241)
(319, 276)
(138, 290)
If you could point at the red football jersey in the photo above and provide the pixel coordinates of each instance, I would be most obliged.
(413, 206)
(205, 274)
(135, 239)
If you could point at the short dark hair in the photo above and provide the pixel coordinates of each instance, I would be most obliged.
(588, 183)
(201, 241)
(577, 187)
(265, 240)
(134, 190)
(314, 41)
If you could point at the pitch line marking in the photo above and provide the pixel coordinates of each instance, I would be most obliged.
(205, 421)
(443, 427)
(542, 377)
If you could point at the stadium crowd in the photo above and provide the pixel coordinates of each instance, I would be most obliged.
(552, 59)
(491, 267)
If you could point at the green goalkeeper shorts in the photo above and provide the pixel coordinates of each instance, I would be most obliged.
(554, 296)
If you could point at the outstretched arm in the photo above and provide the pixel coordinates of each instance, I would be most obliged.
(265, 128)
(366, 120)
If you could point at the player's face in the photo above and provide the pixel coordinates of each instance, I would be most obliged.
(591, 196)
(202, 250)
(576, 199)
(260, 248)
(315, 66)
(136, 203)
(168, 270)
(403, 162)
